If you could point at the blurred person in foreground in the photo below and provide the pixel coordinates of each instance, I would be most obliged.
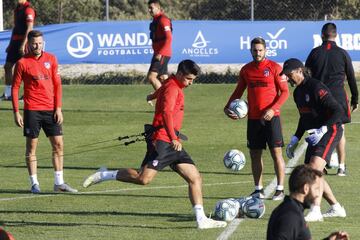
(287, 220)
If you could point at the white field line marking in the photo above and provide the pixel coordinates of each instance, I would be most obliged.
(233, 225)
(116, 190)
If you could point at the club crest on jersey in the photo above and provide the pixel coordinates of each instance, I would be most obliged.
(47, 65)
(266, 72)
(307, 98)
(322, 93)
(155, 163)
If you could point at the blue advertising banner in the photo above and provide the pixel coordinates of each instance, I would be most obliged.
(210, 42)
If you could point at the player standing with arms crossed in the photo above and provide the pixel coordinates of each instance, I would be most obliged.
(267, 92)
(24, 17)
(42, 108)
(331, 64)
(161, 36)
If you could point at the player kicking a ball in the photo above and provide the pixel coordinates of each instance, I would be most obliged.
(164, 145)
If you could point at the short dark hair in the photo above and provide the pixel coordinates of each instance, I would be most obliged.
(34, 34)
(329, 30)
(154, 1)
(302, 175)
(258, 40)
(188, 67)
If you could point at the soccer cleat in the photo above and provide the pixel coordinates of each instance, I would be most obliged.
(258, 194)
(341, 172)
(208, 223)
(278, 195)
(335, 212)
(64, 188)
(314, 216)
(35, 189)
(5, 98)
(94, 178)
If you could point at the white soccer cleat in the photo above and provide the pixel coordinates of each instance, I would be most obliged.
(314, 216)
(95, 178)
(208, 223)
(335, 212)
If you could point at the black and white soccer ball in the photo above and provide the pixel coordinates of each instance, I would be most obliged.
(254, 208)
(239, 107)
(227, 209)
(234, 160)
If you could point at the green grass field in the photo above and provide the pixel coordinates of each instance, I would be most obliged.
(161, 210)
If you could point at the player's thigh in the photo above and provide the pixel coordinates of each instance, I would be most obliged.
(256, 138)
(49, 125)
(32, 123)
(188, 171)
(147, 174)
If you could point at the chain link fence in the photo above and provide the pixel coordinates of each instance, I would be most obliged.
(64, 11)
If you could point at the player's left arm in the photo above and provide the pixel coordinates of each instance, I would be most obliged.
(165, 25)
(350, 76)
(328, 102)
(30, 18)
(57, 92)
(283, 91)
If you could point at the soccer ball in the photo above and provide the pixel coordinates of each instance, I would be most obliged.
(254, 208)
(334, 160)
(227, 210)
(242, 201)
(239, 107)
(234, 160)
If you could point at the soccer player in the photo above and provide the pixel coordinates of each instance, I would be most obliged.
(320, 115)
(24, 17)
(267, 92)
(331, 65)
(42, 108)
(161, 36)
(287, 219)
(165, 147)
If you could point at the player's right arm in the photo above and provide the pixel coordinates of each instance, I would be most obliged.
(238, 92)
(30, 17)
(16, 83)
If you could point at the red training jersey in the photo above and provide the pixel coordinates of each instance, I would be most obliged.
(169, 110)
(266, 88)
(42, 83)
(23, 15)
(161, 35)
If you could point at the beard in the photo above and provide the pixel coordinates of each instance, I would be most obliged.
(308, 201)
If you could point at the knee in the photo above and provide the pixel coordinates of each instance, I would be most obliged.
(58, 146)
(144, 180)
(196, 179)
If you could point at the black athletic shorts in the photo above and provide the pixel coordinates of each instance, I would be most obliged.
(260, 132)
(162, 155)
(13, 54)
(159, 66)
(327, 144)
(35, 120)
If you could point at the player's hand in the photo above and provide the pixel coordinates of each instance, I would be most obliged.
(269, 114)
(176, 144)
(158, 57)
(149, 99)
(58, 116)
(18, 119)
(290, 148)
(354, 107)
(230, 114)
(340, 235)
(316, 135)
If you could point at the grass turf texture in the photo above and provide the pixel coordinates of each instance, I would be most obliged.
(161, 210)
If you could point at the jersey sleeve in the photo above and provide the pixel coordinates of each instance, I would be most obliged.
(57, 84)
(283, 90)
(16, 83)
(350, 76)
(168, 106)
(30, 15)
(240, 88)
(165, 26)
